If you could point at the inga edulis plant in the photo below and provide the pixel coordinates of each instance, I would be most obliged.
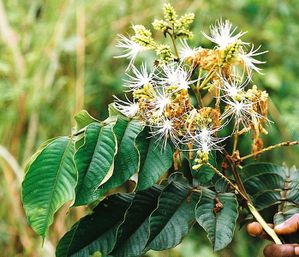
(175, 137)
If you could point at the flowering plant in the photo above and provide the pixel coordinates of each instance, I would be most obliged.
(176, 140)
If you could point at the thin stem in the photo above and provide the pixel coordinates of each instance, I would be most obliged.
(174, 43)
(197, 95)
(208, 76)
(228, 181)
(198, 78)
(237, 177)
(236, 137)
(263, 223)
(287, 143)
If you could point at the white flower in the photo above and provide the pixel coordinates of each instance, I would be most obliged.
(186, 51)
(127, 108)
(163, 130)
(161, 101)
(222, 34)
(204, 140)
(139, 78)
(248, 59)
(234, 88)
(242, 111)
(131, 48)
(175, 75)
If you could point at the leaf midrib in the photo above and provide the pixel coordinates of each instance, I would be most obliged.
(87, 170)
(54, 186)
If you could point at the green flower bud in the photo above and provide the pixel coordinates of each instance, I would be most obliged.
(161, 25)
(187, 19)
(202, 158)
(230, 52)
(184, 33)
(169, 13)
(165, 54)
(143, 36)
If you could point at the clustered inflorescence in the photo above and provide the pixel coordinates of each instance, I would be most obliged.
(163, 96)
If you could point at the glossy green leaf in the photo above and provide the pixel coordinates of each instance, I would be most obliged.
(217, 214)
(83, 119)
(173, 218)
(130, 224)
(127, 159)
(270, 184)
(134, 232)
(49, 183)
(258, 169)
(154, 162)
(97, 231)
(94, 161)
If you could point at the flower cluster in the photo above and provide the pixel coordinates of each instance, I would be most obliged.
(218, 78)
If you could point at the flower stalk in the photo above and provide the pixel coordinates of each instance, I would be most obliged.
(263, 223)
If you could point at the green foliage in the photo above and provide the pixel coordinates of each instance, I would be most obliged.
(94, 160)
(154, 161)
(166, 211)
(271, 184)
(157, 218)
(49, 183)
(217, 214)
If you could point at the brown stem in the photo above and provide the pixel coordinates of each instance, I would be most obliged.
(287, 143)
(236, 138)
(228, 181)
(237, 177)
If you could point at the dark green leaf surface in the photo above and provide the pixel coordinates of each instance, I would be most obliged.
(126, 225)
(219, 223)
(134, 232)
(97, 231)
(127, 160)
(49, 183)
(174, 216)
(94, 161)
(154, 162)
(270, 184)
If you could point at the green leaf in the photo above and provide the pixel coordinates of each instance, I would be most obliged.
(256, 169)
(97, 231)
(127, 159)
(270, 184)
(134, 232)
(258, 184)
(49, 183)
(219, 223)
(266, 199)
(83, 119)
(173, 218)
(154, 162)
(94, 161)
(126, 225)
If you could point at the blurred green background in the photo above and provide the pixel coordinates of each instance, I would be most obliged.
(56, 57)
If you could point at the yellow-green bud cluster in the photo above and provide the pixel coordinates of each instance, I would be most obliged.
(230, 52)
(169, 13)
(165, 54)
(178, 27)
(182, 26)
(161, 25)
(143, 36)
(201, 159)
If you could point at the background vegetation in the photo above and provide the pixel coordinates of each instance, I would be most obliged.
(56, 57)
